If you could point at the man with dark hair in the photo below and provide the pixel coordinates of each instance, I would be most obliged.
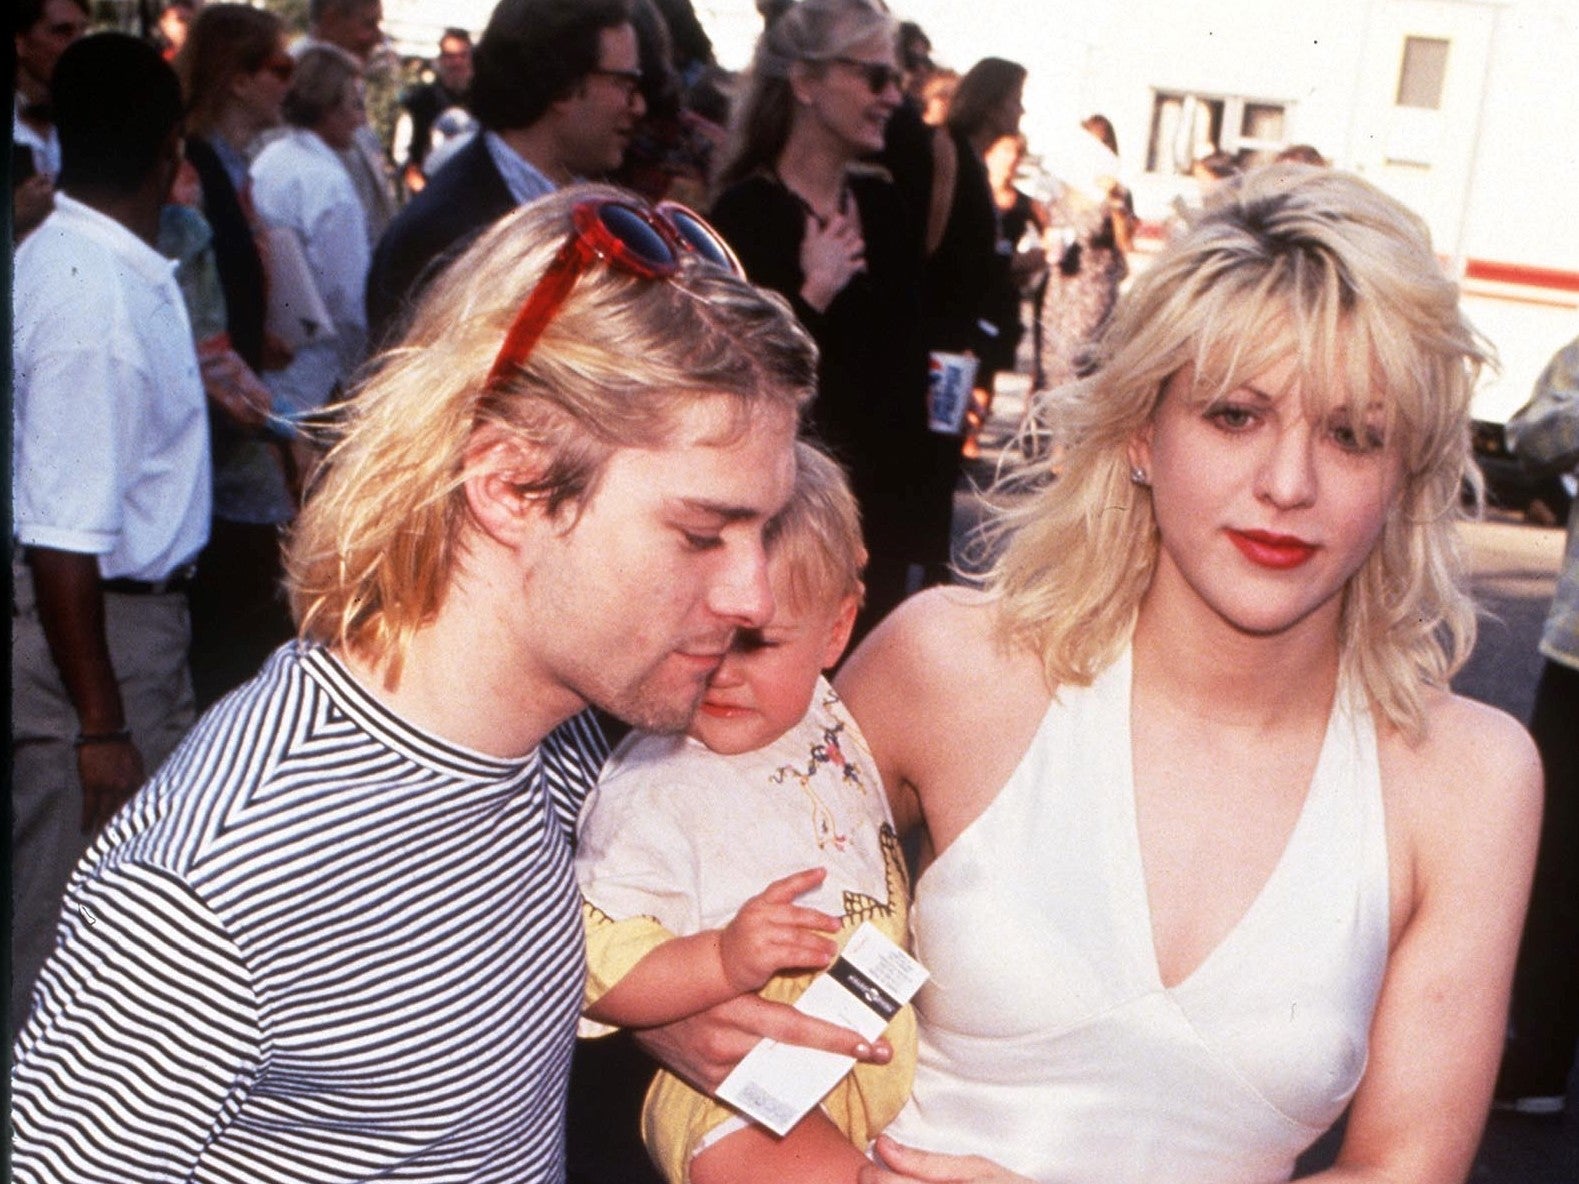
(353, 27)
(424, 104)
(43, 29)
(111, 482)
(554, 89)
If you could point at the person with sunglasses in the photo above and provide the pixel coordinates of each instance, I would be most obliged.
(836, 239)
(555, 92)
(338, 936)
(235, 72)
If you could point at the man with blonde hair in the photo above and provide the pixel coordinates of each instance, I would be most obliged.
(338, 935)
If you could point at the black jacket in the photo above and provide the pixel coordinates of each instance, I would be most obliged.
(458, 203)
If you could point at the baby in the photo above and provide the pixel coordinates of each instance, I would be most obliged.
(773, 783)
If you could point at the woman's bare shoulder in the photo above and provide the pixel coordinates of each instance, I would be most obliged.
(945, 640)
(1471, 784)
(946, 704)
(1468, 746)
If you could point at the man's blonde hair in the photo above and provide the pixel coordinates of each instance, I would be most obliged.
(1286, 262)
(817, 536)
(374, 550)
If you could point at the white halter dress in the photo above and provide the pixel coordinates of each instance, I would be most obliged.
(1048, 1041)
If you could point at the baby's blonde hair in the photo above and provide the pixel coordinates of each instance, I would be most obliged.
(816, 538)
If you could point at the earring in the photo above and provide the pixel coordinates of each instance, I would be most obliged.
(1138, 475)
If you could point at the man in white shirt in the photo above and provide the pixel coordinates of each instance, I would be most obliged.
(110, 481)
(554, 88)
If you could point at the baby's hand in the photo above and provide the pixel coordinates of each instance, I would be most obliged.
(771, 933)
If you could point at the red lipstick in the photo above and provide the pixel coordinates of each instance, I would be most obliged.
(1280, 552)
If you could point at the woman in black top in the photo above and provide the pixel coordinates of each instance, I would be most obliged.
(838, 242)
(964, 274)
(235, 72)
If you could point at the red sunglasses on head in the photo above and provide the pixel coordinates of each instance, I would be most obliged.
(648, 242)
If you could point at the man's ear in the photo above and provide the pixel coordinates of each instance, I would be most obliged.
(501, 473)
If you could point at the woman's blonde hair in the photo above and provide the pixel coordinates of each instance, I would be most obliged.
(817, 536)
(375, 547)
(814, 32)
(1286, 262)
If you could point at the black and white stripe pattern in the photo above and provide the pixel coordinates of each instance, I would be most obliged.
(320, 946)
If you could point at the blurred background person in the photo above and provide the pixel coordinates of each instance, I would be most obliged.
(963, 273)
(836, 240)
(658, 155)
(907, 141)
(1544, 1022)
(355, 26)
(1090, 225)
(1301, 154)
(556, 92)
(1017, 265)
(1212, 170)
(174, 20)
(236, 72)
(937, 93)
(300, 183)
(435, 107)
(43, 29)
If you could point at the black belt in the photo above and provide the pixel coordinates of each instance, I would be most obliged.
(177, 581)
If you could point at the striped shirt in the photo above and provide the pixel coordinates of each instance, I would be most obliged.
(319, 946)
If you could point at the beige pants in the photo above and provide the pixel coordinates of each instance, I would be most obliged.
(149, 637)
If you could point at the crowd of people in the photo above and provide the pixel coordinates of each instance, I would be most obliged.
(436, 554)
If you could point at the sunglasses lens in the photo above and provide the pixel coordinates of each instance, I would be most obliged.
(637, 236)
(701, 238)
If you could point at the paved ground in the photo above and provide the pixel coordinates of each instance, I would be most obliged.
(1515, 569)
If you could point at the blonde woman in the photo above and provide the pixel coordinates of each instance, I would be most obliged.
(1212, 849)
(839, 243)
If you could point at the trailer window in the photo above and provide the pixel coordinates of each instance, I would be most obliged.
(1186, 126)
(1422, 73)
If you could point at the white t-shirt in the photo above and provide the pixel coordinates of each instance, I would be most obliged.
(110, 452)
(299, 182)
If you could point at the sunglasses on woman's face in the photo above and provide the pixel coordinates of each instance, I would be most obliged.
(879, 76)
(647, 242)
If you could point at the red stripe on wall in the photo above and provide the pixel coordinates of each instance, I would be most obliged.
(1521, 273)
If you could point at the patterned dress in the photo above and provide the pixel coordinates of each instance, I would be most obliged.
(1082, 284)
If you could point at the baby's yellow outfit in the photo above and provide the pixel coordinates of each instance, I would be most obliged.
(675, 838)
